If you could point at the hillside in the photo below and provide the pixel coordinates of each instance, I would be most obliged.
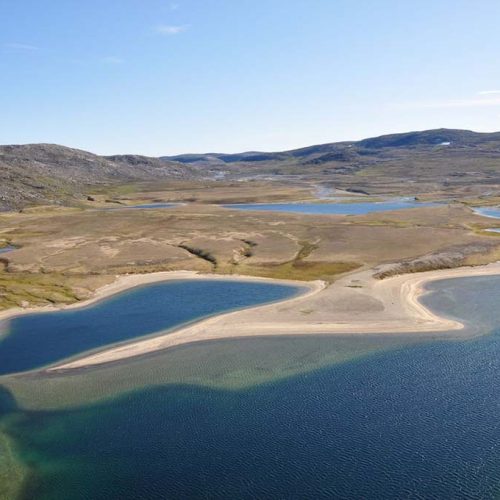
(47, 173)
(443, 160)
(324, 152)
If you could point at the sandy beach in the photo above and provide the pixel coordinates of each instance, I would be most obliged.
(355, 304)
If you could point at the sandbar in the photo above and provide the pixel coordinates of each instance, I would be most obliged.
(356, 304)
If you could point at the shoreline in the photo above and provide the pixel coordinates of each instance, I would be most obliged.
(402, 313)
(367, 306)
(124, 283)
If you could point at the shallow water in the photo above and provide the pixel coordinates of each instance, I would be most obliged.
(35, 340)
(492, 212)
(144, 206)
(350, 208)
(407, 421)
(6, 249)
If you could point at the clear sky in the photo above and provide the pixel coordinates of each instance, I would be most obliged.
(162, 77)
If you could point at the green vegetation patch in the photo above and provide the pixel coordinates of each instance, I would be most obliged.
(298, 270)
(25, 290)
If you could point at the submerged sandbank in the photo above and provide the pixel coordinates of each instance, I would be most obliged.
(125, 317)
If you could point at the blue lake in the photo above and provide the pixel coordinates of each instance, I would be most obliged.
(35, 340)
(416, 421)
(354, 208)
(493, 212)
(144, 206)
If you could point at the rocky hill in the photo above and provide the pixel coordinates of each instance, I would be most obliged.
(444, 161)
(48, 173)
(455, 161)
(409, 140)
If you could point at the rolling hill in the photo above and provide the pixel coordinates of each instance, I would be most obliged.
(48, 173)
(443, 161)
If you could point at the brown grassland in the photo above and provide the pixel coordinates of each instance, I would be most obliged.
(64, 254)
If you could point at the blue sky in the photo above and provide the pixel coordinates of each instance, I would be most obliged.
(163, 77)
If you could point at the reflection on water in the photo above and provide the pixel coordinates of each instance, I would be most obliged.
(143, 206)
(8, 248)
(151, 205)
(352, 417)
(350, 208)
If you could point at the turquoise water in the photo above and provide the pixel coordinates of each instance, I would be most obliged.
(418, 421)
(354, 208)
(36, 340)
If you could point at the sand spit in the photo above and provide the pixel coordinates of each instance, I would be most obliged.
(355, 304)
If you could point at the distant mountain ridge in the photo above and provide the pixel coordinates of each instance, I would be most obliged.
(431, 160)
(433, 137)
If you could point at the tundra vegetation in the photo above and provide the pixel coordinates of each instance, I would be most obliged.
(68, 241)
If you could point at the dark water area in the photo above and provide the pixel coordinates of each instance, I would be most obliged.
(418, 421)
(351, 208)
(35, 340)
